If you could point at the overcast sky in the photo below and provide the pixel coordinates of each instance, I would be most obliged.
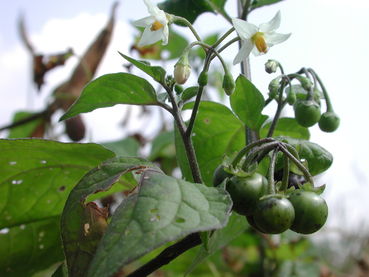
(330, 36)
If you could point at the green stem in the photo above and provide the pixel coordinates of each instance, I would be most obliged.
(220, 40)
(247, 148)
(278, 112)
(306, 173)
(271, 186)
(190, 151)
(325, 93)
(264, 149)
(187, 23)
(286, 173)
(220, 11)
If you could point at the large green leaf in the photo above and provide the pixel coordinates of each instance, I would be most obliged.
(111, 89)
(36, 177)
(156, 72)
(287, 127)
(162, 146)
(189, 9)
(164, 209)
(318, 158)
(220, 238)
(247, 102)
(217, 132)
(80, 245)
(28, 248)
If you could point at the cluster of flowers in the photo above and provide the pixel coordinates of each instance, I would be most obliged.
(256, 39)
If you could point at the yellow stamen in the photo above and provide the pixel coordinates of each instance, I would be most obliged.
(156, 26)
(260, 43)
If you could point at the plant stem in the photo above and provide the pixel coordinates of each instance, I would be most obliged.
(190, 151)
(306, 173)
(219, 41)
(188, 24)
(167, 255)
(325, 93)
(278, 112)
(286, 173)
(271, 186)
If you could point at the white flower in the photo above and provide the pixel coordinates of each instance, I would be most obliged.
(257, 39)
(156, 26)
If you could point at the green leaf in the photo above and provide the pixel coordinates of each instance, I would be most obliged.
(318, 158)
(24, 130)
(127, 147)
(189, 92)
(163, 146)
(112, 89)
(165, 209)
(287, 127)
(220, 238)
(36, 177)
(247, 102)
(78, 247)
(28, 248)
(217, 132)
(156, 72)
(260, 3)
(189, 9)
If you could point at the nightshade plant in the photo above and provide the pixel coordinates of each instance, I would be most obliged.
(230, 159)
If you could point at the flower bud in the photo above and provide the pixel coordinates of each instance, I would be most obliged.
(182, 69)
(228, 83)
(273, 87)
(306, 83)
(203, 78)
(271, 66)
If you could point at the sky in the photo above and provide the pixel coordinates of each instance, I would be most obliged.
(330, 36)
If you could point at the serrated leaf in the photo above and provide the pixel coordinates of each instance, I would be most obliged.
(36, 177)
(247, 102)
(236, 226)
(217, 132)
(287, 127)
(318, 158)
(165, 209)
(73, 221)
(112, 89)
(156, 72)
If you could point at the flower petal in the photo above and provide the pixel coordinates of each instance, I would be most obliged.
(244, 52)
(144, 22)
(272, 25)
(153, 9)
(149, 37)
(275, 38)
(165, 35)
(244, 29)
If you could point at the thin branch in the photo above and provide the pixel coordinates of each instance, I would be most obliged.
(167, 255)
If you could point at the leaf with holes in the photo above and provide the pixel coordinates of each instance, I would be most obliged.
(83, 224)
(112, 89)
(164, 209)
(217, 132)
(36, 177)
